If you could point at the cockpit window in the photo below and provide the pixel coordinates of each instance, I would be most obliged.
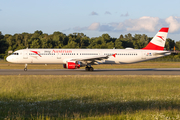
(15, 54)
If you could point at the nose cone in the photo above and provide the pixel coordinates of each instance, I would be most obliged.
(9, 59)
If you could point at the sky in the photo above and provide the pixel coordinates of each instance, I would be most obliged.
(91, 17)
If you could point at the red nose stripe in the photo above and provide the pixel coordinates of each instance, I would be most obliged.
(152, 46)
(164, 30)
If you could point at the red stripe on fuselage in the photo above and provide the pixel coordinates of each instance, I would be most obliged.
(152, 46)
(164, 30)
(36, 53)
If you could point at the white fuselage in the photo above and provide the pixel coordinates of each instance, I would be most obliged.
(61, 56)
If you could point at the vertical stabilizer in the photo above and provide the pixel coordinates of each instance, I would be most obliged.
(158, 41)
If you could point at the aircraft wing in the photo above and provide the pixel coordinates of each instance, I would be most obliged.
(93, 58)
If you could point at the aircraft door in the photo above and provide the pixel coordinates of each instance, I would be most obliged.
(100, 53)
(143, 55)
(58, 55)
(25, 55)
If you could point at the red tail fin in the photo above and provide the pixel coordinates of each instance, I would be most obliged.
(158, 42)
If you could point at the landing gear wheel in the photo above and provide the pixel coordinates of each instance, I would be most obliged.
(91, 69)
(87, 68)
(25, 69)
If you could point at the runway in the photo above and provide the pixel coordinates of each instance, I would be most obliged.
(132, 71)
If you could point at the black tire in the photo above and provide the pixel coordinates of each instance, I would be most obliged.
(25, 69)
(91, 69)
(87, 68)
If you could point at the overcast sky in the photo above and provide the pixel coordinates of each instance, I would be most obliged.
(91, 17)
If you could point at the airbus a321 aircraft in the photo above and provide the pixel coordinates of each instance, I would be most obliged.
(76, 58)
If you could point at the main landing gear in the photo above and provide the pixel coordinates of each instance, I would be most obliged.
(25, 69)
(89, 68)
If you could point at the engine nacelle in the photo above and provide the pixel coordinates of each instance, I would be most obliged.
(71, 65)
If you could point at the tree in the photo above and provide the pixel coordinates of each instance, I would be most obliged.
(71, 44)
(106, 38)
(110, 45)
(169, 44)
(1, 36)
(18, 39)
(57, 40)
(36, 44)
(136, 41)
(26, 37)
(177, 45)
(118, 44)
(46, 43)
(127, 44)
(144, 41)
(128, 37)
(38, 32)
(85, 42)
(3, 46)
(121, 37)
(98, 42)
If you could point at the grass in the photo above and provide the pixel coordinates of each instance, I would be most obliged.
(89, 97)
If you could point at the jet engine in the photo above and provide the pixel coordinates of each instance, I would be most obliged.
(73, 65)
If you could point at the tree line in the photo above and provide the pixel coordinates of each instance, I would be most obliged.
(38, 39)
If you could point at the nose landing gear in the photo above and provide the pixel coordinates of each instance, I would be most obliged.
(25, 69)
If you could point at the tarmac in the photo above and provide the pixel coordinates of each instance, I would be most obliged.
(132, 71)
